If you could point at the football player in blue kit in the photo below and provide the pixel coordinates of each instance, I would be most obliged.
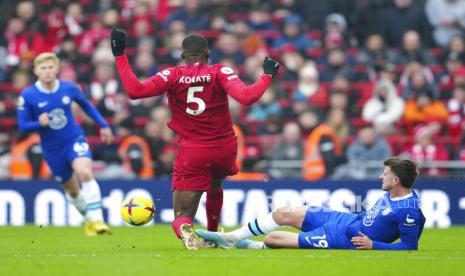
(395, 215)
(45, 107)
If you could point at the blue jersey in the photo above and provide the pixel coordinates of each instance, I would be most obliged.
(62, 128)
(388, 220)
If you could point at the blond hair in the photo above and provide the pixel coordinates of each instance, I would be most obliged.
(46, 56)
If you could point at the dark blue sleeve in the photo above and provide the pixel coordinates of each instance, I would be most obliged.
(24, 115)
(408, 221)
(89, 109)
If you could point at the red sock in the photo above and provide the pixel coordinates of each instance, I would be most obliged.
(176, 224)
(214, 204)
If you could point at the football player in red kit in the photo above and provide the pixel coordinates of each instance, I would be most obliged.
(198, 100)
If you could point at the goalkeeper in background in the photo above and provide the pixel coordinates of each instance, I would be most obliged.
(395, 215)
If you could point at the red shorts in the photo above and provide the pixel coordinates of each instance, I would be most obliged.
(196, 167)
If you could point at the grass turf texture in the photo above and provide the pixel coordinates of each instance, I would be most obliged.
(34, 250)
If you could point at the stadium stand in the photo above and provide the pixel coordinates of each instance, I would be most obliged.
(78, 32)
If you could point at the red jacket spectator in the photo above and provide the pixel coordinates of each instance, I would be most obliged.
(425, 149)
(456, 108)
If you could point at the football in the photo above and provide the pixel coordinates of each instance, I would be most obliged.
(137, 210)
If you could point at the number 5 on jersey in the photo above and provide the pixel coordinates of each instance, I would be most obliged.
(191, 98)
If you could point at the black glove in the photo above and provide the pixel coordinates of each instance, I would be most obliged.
(270, 66)
(118, 42)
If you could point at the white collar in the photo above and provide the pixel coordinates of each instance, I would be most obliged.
(44, 90)
(401, 197)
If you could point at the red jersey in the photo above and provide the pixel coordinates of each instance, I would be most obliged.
(198, 101)
(197, 97)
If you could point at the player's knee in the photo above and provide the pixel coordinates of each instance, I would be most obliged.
(281, 215)
(85, 174)
(271, 240)
(73, 193)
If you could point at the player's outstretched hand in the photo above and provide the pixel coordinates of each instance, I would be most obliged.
(270, 66)
(106, 135)
(118, 42)
(362, 241)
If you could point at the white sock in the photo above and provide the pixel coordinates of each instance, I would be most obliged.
(259, 226)
(257, 245)
(91, 193)
(78, 202)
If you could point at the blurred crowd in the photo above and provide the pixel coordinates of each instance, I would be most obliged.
(361, 80)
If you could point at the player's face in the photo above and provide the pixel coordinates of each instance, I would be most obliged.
(46, 71)
(388, 178)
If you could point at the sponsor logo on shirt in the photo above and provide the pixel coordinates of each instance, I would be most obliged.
(58, 119)
(409, 221)
(42, 104)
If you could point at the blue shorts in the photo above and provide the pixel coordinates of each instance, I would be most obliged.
(59, 160)
(326, 229)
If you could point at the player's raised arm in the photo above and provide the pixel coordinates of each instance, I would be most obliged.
(134, 88)
(247, 95)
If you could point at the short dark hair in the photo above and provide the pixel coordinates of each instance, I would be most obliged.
(195, 46)
(405, 169)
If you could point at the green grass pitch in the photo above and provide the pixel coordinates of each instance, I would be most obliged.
(32, 250)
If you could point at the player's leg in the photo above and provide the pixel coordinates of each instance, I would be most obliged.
(90, 190)
(318, 238)
(315, 239)
(289, 216)
(62, 172)
(72, 192)
(224, 165)
(185, 204)
(82, 167)
(283, 216)
(281, 239)
(214, 204)
(192, 176)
